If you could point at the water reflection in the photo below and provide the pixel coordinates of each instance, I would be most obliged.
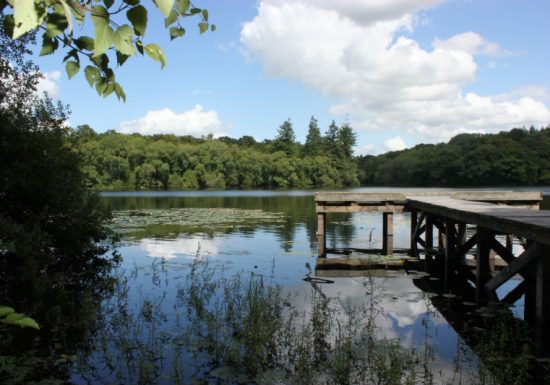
(155, 326)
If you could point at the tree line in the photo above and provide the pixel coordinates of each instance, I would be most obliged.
(519, 157)
(116, 161)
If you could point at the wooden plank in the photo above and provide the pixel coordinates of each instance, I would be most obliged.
(359, 208)
(359, 197)
(514, 267)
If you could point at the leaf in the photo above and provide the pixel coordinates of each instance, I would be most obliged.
(9, 316)
(68, 14)
(73, 53)
(138, 18)
(176, 32)
(25, 17)
(182, 6)
(131, 2)
(108, 3)
(84, 43)
(49, 45)
(8, 24)
(104, 34)
(156, 53)
(194, 11)
(203, 27)
(171, 19)
(56, 22)
(165, 6)
(5, 311)
(123, 40)
(121, 58)
(79, 11)
(139, 47)
(72, 68)
(205, 14)
(213, 27)
(92, 75)
(100, 85)
(119, 92)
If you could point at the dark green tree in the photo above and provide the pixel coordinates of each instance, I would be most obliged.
(52, 264)
(286, 139)
(346, 139)
(314, 142)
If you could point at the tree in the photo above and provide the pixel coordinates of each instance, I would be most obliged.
(314, 142)
(346, 139)
(330, 139)
(119, 32)
(286, 139)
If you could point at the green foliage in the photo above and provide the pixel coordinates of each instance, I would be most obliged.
(53, 265)
(134, 162)
(516, 158)
(63, 22)
(10, 317)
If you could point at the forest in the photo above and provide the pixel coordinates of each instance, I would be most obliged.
(519, 157)
(116, 161)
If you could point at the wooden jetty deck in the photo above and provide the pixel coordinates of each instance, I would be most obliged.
(486, 214)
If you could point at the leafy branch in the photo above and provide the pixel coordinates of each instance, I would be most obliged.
(125, 39)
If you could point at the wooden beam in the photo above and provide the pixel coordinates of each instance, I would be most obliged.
(466, 246)
(359, 208)
(542, 306)
(515, 294)
(514, 267)
(483, 271)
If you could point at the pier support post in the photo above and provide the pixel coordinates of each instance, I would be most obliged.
(429, 236)
(414, 221)
(450, 246)
(483, 269)
(321, 235)
(542, 305)
(387, 233)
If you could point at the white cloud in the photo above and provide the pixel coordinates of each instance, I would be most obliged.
(355, 52)
(193, 122)
(395, 144)
(471, 43)
(368, 149)
(49, 83)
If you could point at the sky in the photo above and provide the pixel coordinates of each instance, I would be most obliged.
(400, 72)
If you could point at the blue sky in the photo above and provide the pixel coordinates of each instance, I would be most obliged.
(402, 72)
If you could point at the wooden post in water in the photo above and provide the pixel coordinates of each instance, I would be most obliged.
(321, 235)
(483, 269)
(450, 246)
(387, 233)
(542, 305)
(429, 237)
(414, 221)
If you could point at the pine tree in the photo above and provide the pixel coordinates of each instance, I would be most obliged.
(286, 139)
(314, 141)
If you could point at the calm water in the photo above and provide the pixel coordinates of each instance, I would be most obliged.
(272, 235)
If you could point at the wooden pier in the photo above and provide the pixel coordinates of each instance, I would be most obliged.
(438, 236)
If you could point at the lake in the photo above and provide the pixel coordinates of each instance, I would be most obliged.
(151, 331)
